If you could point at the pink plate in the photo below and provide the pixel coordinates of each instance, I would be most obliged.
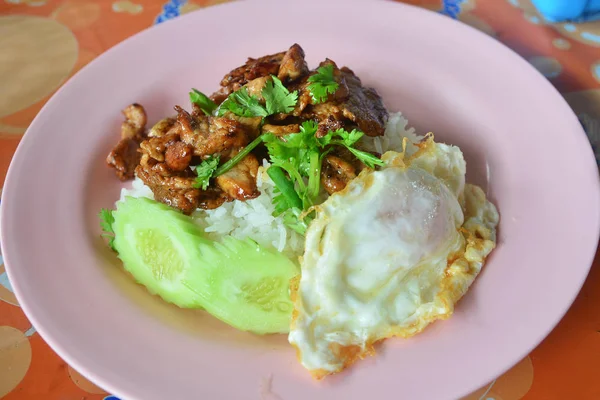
(520, 138)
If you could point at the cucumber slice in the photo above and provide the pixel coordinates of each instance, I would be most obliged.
(235, 280)
(157, 246)
(248, 285)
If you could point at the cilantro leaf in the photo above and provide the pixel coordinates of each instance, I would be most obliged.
(296, 161)
(299, 155)
(368, 159)
(287, 197)
(349, 138)
(308, 130)
(322, 84)
(309, 127)
(305, 139)
(293, 146)
(280, 151)
(287, 202)
(205, 171)
(277, 98)
(325, 140)
(106, 223)
(107, 220)
(287, 158)
(291, 218)
(279, 201)
(242, 104)
(202, 101)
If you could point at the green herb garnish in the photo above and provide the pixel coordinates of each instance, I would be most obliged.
(277, 98)
(242, 104)
(205, 171)
(287, 197)
(322, 84)
(294, 219)
(202, 101)
(297, 154)
(106, 223)
(296, 158)
(348, 139)
(300, 155)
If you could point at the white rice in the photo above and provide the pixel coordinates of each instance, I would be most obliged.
(254, 218)
(395, 130)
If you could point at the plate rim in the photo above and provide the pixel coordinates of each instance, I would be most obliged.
(66, 354)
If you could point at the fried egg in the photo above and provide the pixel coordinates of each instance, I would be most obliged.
(388, 255)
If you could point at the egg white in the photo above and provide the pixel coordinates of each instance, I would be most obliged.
(391, 253)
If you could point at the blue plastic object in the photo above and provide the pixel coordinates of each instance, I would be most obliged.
(568, 10)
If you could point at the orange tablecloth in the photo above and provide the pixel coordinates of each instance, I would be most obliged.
(44, 42)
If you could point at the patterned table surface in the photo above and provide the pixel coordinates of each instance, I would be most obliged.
(44, 42)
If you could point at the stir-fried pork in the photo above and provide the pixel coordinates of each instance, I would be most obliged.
(124, 157)
(174, 186)
(166, 156)
(286, 65)
(281, 130)
(174, 190)
(293, 65)
(164, 127)
(254, 68)
(363, 106)
(336, 173)
(351, 104)
(178, 156)
(135, 121)
(166, 161)
(240, 181)
(212, 135)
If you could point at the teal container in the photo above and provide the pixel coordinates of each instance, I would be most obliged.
(568, 10)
